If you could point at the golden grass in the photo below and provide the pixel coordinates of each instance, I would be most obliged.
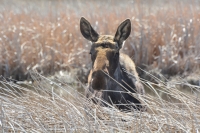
(49, 106)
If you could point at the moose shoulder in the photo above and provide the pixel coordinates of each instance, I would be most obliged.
(113, 77)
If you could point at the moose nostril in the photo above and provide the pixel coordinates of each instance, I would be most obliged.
(98, 80)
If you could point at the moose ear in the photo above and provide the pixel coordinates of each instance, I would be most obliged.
(123, 31)
(87, 31)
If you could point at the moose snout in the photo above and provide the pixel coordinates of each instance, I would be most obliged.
(98, 80)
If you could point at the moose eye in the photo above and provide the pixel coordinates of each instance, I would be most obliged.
(105, 45)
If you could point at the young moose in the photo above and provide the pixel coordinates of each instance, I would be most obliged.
(113, 77)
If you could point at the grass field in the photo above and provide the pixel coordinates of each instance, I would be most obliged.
(55, 106)
(41, 41)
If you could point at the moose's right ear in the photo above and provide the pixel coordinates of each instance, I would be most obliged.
(87, 31)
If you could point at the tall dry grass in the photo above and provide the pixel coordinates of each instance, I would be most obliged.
(45, 35)
(54, 106)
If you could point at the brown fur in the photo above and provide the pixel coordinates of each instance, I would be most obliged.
(113, 73)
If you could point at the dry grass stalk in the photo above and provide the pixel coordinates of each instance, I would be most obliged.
(50, 107)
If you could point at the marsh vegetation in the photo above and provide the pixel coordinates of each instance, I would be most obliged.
(41, 45)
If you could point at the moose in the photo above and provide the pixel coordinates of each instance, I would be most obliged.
(113, 78)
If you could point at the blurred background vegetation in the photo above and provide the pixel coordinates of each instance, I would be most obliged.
(44, 35)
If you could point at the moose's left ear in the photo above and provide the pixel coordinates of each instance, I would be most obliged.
(123, 32)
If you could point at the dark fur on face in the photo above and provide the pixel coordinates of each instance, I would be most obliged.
(111, 70)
